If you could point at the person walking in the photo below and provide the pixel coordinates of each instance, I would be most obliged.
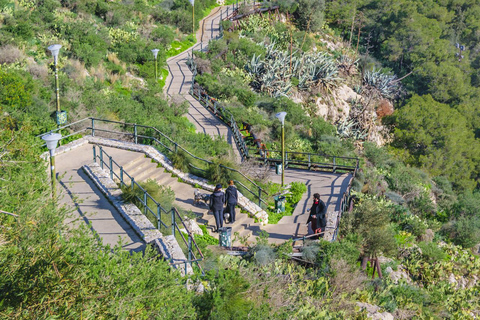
(317, 215)
(231, 200)
(217, 199)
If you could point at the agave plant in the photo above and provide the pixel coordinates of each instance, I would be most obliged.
(384, 83)
(350, 128)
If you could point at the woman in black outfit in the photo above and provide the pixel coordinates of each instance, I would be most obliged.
(217, 199)
(317, 214)
(231, 199)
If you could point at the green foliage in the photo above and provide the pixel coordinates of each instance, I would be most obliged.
(227, 297)
(297, 189)
(371, 223)
(205, 240)
(49, 269)
(310, 15)
(181, 160)
(218, 173)
(431, 252)
(163, 195)
(451, 151)
(464, 231)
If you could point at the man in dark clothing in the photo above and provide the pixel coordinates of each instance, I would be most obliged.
(217, 199)
(317, 214)
(231, 200)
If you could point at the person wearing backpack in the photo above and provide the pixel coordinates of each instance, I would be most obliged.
(217, 199)
(231, 200)
(317, 218)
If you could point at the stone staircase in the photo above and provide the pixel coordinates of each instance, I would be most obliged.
(142, 168)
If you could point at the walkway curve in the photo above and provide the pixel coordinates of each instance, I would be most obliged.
(180, 79)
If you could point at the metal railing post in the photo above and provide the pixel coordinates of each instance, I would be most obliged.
(93, 127)
(110, 163)
(145, 202)
(135, 132)
(176, 147)
(101, 157)
(309, 162)
(159, 217)
(190, 249)
(94, 154)
(121, 176)
(334, 164)
(173, 221)
(133, 184)
(259, 197)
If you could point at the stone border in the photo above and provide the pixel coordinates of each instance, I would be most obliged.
(167, 246)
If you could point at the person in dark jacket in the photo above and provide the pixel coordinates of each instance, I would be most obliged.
(217, 199)
(231, 200)
(317, 214)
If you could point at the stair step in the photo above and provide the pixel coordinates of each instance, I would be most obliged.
(146, 172)
(131, 164)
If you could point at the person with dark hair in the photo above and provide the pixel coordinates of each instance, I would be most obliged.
(217, 199)
(317, 218)
(231, 200)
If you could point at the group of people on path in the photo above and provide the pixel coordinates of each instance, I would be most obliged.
(218, 199)
(229, 199)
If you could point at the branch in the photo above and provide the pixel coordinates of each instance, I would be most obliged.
(399, 79)
(11, 214)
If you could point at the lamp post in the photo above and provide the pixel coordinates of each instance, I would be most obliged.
(155, 53)
(281, 116)
(61, 117)
(52, 139)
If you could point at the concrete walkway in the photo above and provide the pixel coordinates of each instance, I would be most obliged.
(88, 204)
(180, 78)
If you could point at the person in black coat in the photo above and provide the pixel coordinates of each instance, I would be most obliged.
(217, 199)
(231, 200)
(317, 214)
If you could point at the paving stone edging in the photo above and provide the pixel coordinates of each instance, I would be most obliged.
(167, 246)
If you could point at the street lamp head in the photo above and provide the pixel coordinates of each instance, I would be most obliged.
(52, 139)
(281, 116)
(55, 49)
(155, 52)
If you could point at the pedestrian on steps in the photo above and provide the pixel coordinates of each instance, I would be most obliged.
(231, 200)
(217, 199)
(317, 218)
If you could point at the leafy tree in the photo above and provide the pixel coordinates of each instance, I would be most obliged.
(438, 139)
(309, 15)
(371, 222)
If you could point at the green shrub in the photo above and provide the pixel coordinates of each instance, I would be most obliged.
(464, 231)
(297, 189)
(181, 160)
(431, 252)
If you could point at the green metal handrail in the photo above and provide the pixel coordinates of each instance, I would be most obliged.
(169, 145)
(156, 212)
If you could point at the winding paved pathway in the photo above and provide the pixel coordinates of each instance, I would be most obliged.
(91, 208)
(180, 77)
